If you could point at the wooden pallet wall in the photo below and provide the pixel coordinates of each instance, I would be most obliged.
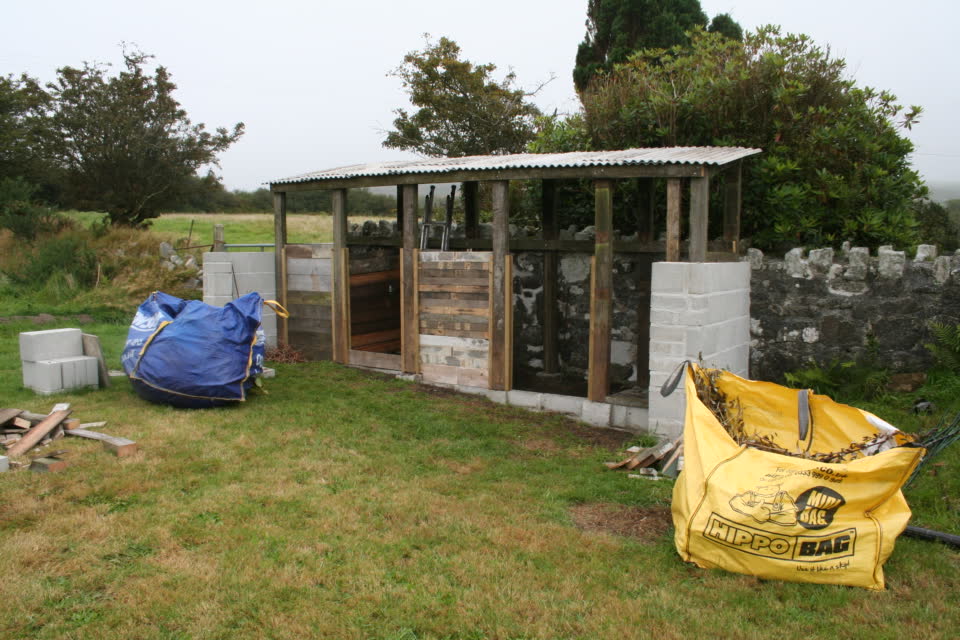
(308, 299)
(454, 315)
(375, 300)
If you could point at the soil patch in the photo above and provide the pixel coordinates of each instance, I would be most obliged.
(647, 524)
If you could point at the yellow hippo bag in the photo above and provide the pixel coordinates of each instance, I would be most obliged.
(786, 484)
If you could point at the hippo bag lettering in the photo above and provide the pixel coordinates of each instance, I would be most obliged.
(189, 354)
(772, 507)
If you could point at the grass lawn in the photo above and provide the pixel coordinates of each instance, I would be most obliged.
(346, 505)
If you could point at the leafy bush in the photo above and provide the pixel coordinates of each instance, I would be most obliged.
(945, 346)
(21, 215)
(67, 258)
(846, 380)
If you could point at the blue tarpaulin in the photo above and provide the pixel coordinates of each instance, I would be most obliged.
(190, 354)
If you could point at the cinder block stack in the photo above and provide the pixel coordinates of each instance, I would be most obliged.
(53, 361)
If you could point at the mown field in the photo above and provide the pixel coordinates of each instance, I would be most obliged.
(343, 504)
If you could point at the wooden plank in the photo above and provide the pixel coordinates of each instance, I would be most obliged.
(361, 279)
(389, 347)
(455, 333)
(508, 333)
(601, 293)
(91, 347)
(453, 310)
(309, 283)
(434, 303)
(409, 325)
(732, 202)
(7, 415)
(473, 377)
(501, 240)
(454, 288)
(309, 298)
(309, 266)
(376, 360)
(673, 220)
(461, 265)
(456, 256)
(699, 218)
(284, 327)
(120, 447)
(341, 283)
(464, 276)
(440, 373)
(37, 433)
(374, 337)
(464, 323)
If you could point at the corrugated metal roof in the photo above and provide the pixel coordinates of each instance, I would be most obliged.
(627, 157)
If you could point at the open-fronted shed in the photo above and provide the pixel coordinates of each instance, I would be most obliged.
(447, 315)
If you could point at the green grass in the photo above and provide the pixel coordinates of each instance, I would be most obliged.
(346, 505)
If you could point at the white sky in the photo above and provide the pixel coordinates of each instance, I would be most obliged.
(309, 79)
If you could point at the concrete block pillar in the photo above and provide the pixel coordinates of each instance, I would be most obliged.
(701, 312)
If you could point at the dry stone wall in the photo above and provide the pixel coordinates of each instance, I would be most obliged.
(824, 305)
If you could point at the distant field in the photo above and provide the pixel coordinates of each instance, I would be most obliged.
(239, 228)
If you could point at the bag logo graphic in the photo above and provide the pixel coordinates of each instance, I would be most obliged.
(766, 504)
(775, 545)
(817, 507)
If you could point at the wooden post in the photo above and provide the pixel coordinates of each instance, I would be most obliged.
(732, 198)
(279, 254)
(498, 293)
(673, 219)
(341, 279)
(409, 322)
(551, 319)
(471, 209)
(601, 293)
(646, 211)
(699, 217)
(218, 240)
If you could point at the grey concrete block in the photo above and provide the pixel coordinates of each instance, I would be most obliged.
(260, 282)
(253, 261)
(525, 399)
(633, 419)
(570, 405)
(79, 372)
(4, 463)
(670, 277)
(43, 377)
(48, 345)
(495, 396)
(596, 413)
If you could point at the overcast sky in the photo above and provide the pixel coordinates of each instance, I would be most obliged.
(310, 80)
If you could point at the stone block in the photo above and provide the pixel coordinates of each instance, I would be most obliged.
(941, 269)
(253, 262)
(496, 396)
(661, 333)
(668, 302)
(755, 258)
(820, 260)
(4, 463)
(570, 405)
(713, 277)
(596, 413)
(210, 266)
(525, 399)
(263, 283)
(926, 253)
(670, 277)
(795, 265)
(51, 344)
(891, 263)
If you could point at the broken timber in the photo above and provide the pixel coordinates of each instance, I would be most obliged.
(120, 447)
(36, 434)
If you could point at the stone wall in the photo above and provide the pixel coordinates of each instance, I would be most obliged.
(826, 305)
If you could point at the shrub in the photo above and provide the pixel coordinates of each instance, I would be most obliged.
(945, 346)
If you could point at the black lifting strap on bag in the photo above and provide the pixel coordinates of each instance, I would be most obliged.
(804, 419)
(671, 383)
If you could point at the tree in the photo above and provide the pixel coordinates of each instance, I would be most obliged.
(462, 110)
(835, 165)
(22, 129)
(125, 145)
(618, 28)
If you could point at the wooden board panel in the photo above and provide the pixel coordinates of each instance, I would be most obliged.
(428, 304)
(449, 295)
(388, 347)
(309, 298)
(375, 360)
(374, 337)
(454, 375)
(455, 288)
(453, 264)
(309, 267)
(362, 279)
(309, 283)
(466, 276)
(455, 256)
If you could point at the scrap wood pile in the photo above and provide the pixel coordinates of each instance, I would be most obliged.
(24, 433)
(665, 458)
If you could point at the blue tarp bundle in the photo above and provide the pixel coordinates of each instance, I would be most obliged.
(190, 354)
